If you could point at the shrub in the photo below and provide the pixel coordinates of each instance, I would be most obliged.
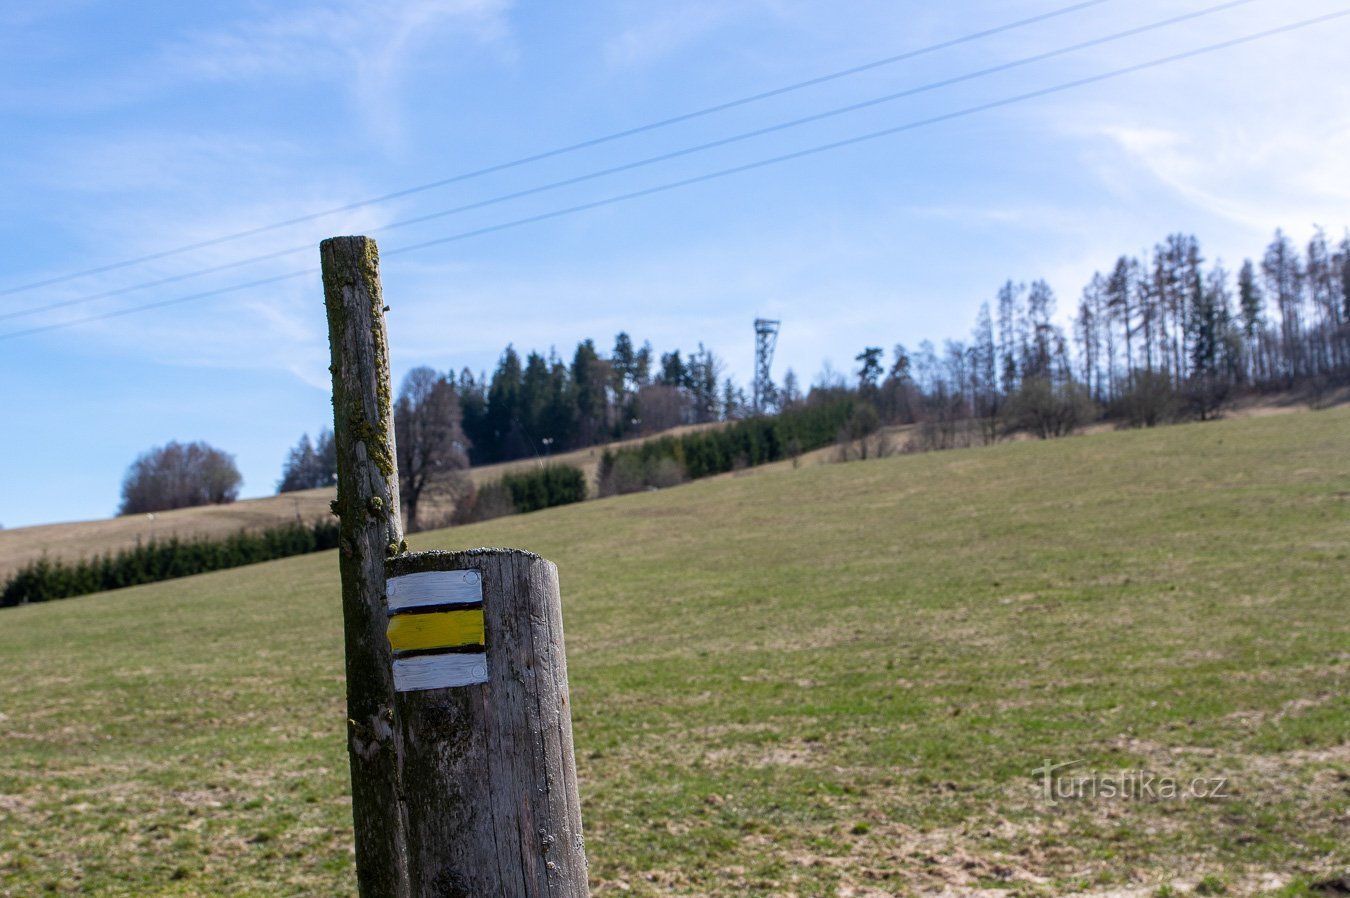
(754, 441)
(1048, 408)
(1149, 401)
(546, 487)
(44, 579)
(524, 491)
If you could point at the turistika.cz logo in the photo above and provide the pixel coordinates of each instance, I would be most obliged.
(1058, 784)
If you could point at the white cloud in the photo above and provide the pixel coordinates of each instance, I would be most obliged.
(1256, 181)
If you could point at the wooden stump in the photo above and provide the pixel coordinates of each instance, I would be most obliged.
(489, 779)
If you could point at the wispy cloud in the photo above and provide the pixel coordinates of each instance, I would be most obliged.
(669, 31)
(362, 50)
(1251, 181)
(163, 161)
(367, 48)
(329, 41)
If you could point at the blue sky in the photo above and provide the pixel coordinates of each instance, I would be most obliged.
(131, 129)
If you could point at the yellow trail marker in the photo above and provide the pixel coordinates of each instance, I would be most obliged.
(437, 630)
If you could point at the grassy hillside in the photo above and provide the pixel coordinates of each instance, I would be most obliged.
(83, 539)
(833, 681)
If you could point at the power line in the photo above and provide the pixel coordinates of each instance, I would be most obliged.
(116, 313)
(874, 135)
(739, 169)
(559, 151)
(161, 282)
(652, 160)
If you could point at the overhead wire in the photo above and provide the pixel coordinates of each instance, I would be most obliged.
(739, 169)
(652, 160)
(562, 150)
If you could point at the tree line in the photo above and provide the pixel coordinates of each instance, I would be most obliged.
(1151, 339)
(541, 404)
(44, 579)
(1284, 320)
(530, 407)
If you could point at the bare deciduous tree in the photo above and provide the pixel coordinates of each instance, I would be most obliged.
(430, 440)
(179, 476)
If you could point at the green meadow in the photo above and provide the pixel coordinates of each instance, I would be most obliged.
(837, 680)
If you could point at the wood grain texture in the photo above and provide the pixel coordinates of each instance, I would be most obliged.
(490, 790)
(367, 504)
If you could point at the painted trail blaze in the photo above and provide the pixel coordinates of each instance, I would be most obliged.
(436, 630)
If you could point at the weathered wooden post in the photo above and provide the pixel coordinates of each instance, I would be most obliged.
(367, 506)
(485, 726)
(460, 732)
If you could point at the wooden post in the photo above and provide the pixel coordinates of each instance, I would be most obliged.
(492, 808)
(367, 505)
(460, 731)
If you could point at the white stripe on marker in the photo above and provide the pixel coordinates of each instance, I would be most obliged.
(439, 671)
(434, 588)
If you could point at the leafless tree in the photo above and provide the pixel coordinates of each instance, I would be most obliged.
(662, 407)
(430, 440)
(179, 476)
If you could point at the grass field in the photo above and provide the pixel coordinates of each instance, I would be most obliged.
(832, 681)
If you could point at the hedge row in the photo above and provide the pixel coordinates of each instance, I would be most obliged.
(545, 487)
(522, 492)
(44, 580)
(744, 444)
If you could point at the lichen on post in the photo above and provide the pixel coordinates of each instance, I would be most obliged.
(368, 507)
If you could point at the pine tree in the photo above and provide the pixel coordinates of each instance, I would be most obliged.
(590, 375)
(1009, 296)
(309, 465)
(1284, 276)
(532, 413)
(504, 407)
(1251, 310)
(1120, 297)
(869, 370)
